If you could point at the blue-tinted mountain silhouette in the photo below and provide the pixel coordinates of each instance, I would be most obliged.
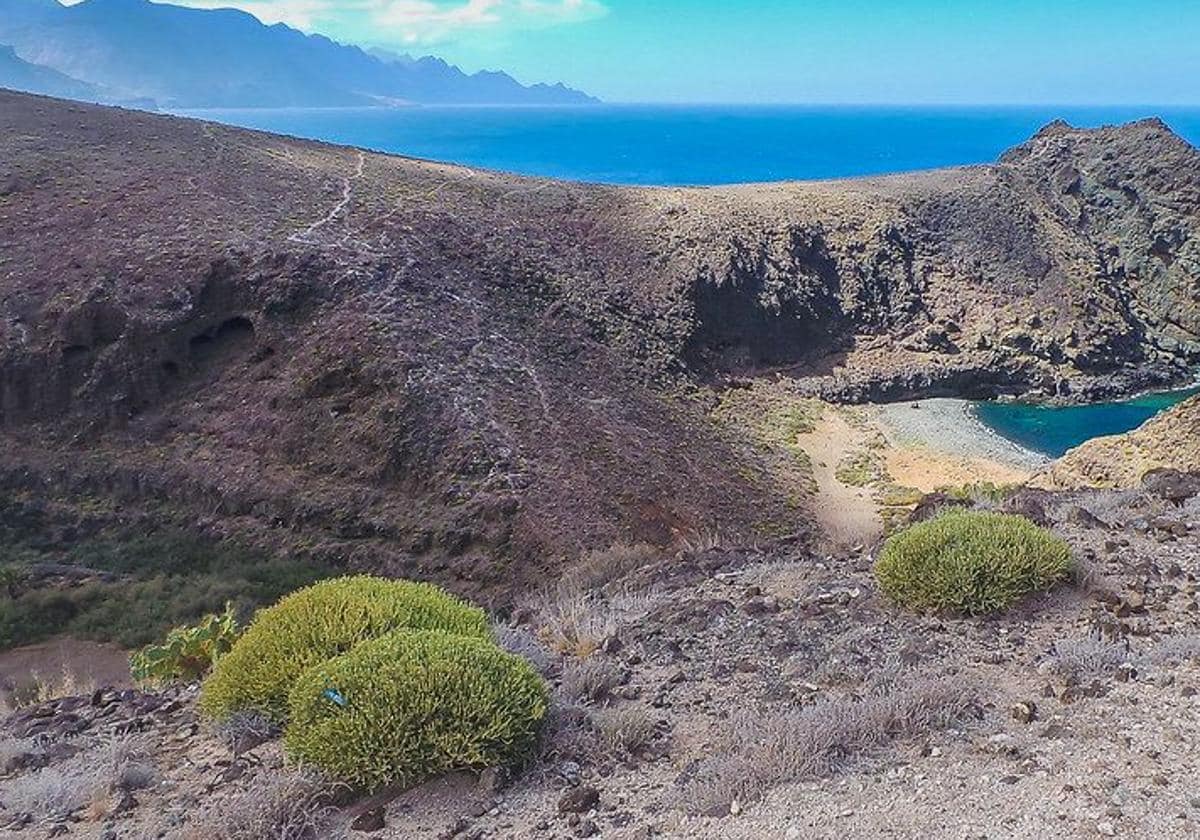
(16, 74)
(194, 58)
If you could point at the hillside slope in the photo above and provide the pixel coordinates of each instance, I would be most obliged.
(1170, 440)
(425, 367)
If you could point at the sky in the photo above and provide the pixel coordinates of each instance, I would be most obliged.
(793, 51)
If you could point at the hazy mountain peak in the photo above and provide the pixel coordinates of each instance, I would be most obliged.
(193, 58)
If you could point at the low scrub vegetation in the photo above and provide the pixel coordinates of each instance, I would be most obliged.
(282, 805)
(980, 493)
(377, 682)
(411, 705)
(971, 562)
(87, 782)
(859, 469)
(1090, 656)
(133, 589)
(624, 730)
(762, 751)
(589, 681)
(318, 623)
(188, 653)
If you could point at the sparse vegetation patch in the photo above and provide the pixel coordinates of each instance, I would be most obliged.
(130, 589)
(763, 751)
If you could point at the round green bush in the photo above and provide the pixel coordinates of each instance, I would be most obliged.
(971, 562)
(314, 624)
(411, 705)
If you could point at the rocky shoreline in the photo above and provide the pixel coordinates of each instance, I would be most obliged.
(950, 426)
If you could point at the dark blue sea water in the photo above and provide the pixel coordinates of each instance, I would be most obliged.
(1052, 430)
(699, 145)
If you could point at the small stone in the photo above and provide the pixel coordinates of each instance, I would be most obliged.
(579, 800)
(1106, 829)
(612, 645)
(570, 771)
(735, 808)
(1024, 712)
(369, 821)
(456, 828)
(493, 780)
(586, 828)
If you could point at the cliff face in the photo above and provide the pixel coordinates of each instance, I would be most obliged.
(1069, 269)
(422, 365)
(1170, 441)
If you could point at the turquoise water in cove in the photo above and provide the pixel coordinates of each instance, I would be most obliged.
(692, 145)
(1052, 430)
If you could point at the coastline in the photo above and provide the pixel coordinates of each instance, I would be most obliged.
(948, 426)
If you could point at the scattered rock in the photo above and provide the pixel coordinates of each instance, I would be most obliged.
(579, 800)
(1024, 712)
(369, 821)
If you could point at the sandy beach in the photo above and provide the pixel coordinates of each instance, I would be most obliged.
(949, 427)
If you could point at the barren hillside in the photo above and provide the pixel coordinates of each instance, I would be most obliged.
(413, 366)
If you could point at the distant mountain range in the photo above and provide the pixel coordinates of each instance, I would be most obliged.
(135, 51)
(16, 74)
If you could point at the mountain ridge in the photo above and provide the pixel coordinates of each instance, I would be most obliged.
(180, 57)
(19, 75)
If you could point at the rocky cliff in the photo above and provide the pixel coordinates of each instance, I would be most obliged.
(418, 366)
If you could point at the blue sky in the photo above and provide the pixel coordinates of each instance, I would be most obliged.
(819, 51)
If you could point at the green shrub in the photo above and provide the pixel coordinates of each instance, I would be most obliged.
(411, 705)
(971, 562)
(318, 623)
(188, 653)
(160, 580)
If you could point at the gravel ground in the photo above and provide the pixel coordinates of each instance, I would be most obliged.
(949, 425)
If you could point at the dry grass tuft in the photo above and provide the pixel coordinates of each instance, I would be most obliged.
(39, 689)
(577, 622)
(1091, 656)
(1174, 650)
(282, 805)
(522, 643)
(625, 730)
(244, 731)
(52, 793)
(589, 681)
(762, 751)
(12, 749)
(87, 783)
(600, 569)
